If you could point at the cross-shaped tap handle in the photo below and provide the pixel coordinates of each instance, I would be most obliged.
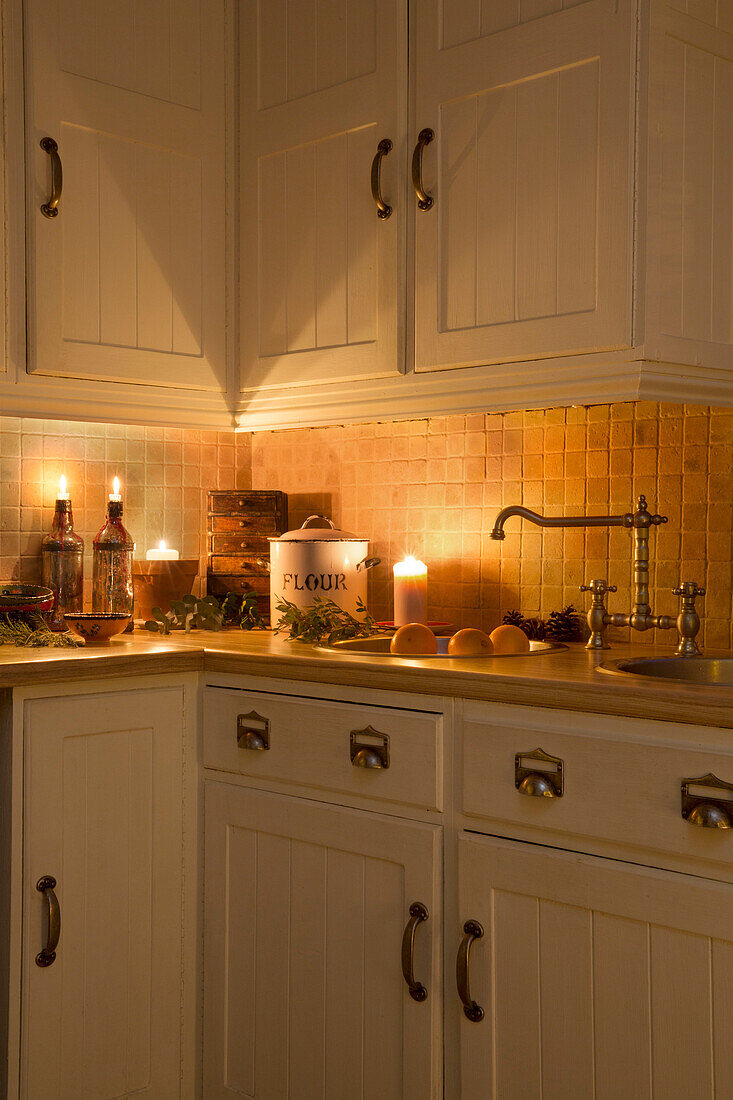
(689, 590)
(599, 588)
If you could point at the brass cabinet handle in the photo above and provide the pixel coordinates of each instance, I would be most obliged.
(253, 731)
(50, 209)
(708, 812)
(418, 913)
(472, 931)
(383, 208)
(47, 954)
(369, 748)
(424, 201)
(545, 781)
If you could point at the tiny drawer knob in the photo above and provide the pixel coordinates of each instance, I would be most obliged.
(707, 802)
(253, 731)
(369, 748)
(538, 774)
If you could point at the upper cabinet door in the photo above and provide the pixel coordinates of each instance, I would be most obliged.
(322, 83)
(526, 252)
(127, 281)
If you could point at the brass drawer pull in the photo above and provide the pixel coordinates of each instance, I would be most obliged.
(50, 209)
(369, 748)
(538, 774)
(383, 208)
(708, 812)
(418, 913)
(424, 201)
(472, 931)
(47, 954)
(253, 731)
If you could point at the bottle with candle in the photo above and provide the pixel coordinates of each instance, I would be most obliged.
(112, 590)
(62, 560)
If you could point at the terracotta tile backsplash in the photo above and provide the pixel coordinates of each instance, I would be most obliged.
(433, 488)
(164, 472)
(429, 487)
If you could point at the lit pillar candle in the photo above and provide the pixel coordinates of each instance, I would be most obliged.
(410, 592)
(162, 553)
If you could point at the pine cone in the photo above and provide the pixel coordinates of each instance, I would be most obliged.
(565, 626)
(514, 618)
(535, 629)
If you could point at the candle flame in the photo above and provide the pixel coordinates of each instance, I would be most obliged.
(410, 567)
(162, 545)
(62, 486)
(116, 486)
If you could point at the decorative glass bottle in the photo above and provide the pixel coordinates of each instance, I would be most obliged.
(62, 561)
(112, 591)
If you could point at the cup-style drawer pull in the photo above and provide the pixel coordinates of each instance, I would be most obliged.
(418, 913)
(712, 810)
(472, 930)
(538, 774)
(369, 748)
(253, 731)
(47, 954)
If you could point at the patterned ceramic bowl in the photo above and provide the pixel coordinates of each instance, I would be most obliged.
(96, 628)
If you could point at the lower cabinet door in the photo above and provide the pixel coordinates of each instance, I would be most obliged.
(103, 812)
(305, 910)
(597, 978)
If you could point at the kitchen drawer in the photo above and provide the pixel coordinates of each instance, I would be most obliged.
(310, 745)
(259, 503)
(218, 584)
(241, 543)
(622, 778)
(231, 563)
(249, 526)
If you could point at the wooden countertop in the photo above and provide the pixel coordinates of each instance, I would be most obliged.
(565, 679)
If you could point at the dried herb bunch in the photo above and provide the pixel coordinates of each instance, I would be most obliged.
(562, 626)
(325, 621)
(29, 629)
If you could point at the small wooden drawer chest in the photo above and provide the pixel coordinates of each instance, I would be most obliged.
(239, 525)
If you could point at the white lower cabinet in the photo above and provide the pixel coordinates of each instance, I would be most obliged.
(597, 978)
(104, 818)
(306, 906)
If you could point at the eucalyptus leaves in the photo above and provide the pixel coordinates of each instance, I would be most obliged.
(207, 613)
(324, 621)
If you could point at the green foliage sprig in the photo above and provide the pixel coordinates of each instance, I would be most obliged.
(207, 613)
(29, 629)
(324, 621)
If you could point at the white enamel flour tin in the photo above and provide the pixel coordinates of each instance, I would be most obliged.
(319, 561)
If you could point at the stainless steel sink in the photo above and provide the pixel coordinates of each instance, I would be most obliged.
(691, 670)
(378, 646)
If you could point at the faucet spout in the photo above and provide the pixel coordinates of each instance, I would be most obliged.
(626, 520)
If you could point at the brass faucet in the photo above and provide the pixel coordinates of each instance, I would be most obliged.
(640, 617)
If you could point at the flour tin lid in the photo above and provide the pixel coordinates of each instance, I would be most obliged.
(317, 534)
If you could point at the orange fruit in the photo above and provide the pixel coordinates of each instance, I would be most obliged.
(470, 643)
(509, 639)
(414, 639)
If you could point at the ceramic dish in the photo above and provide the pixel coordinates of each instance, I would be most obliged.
(24, 597)
(96, 629)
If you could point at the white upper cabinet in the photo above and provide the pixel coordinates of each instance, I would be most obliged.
(127, 280)
(690, 190)
(323, 82)
(525, 252)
